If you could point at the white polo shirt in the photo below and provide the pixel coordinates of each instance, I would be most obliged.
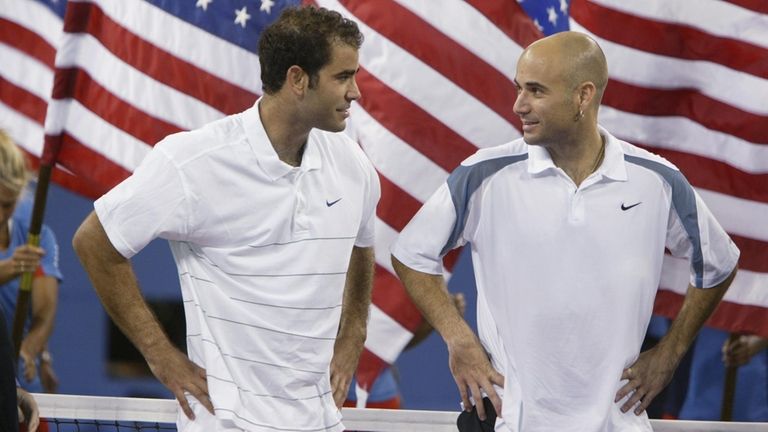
(262, 250)
(566, 276)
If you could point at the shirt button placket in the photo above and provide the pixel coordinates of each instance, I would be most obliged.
(576, 210)
(300, 215)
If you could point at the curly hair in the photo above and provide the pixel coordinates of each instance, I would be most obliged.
(303, 37)
(13, 165)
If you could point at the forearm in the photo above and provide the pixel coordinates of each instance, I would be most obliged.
(357, 298)
(45, 293)
(430, 295)
(36, 340)
(353, 322)
(468, 361)
(115, 283)
(697, 307)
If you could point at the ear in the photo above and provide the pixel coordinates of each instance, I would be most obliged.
(296, 80)
(586, 92)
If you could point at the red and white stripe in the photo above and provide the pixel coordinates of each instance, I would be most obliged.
(128, 74)
(30, 35)
(29, 38)
(689, 81)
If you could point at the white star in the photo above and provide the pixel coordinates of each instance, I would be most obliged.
(538, 26)
(241, 16)
(552, 16)
(203, 4)
(564, 7)
(266, 6)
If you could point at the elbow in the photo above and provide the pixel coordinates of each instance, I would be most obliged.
(398, 266)
(85, 240)
(79, 242)
(405, 274)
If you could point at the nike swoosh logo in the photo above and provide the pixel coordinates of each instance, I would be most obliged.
(330, 203)
(625, 208)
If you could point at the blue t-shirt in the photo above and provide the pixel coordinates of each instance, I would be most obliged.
(9, 292)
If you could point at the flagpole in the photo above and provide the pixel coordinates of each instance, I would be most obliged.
(51, 147)
(33, 239)
(729, 388)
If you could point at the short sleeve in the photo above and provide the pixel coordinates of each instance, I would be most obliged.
(365, 234)
(50, 261)
(151, 203)
(427, 237)
(694, 233)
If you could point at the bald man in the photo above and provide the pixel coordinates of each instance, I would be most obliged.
(568, 227)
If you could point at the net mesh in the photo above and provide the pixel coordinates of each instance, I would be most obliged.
(107, 414)
(68, 413)
(75, 425)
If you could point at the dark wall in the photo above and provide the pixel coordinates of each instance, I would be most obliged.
(80, 340)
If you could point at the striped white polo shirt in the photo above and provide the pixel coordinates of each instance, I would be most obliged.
(262, 251)
(566, 275)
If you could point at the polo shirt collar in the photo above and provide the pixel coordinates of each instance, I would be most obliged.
(539, 160)
(613, 165)
(266, 156)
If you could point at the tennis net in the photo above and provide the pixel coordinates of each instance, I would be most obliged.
(65, 413)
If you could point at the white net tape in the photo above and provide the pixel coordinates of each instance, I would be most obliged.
(369, 420)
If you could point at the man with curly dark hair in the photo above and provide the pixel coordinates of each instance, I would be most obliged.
(270, 216)
(303, 39)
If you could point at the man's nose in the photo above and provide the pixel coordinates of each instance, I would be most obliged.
(354, 91)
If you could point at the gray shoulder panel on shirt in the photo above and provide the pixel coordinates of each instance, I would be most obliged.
(684, 204)
(463, 182)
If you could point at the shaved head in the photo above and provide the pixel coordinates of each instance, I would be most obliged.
(560, 82)
(576, 56)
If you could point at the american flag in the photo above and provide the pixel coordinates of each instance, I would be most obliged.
(689, 80)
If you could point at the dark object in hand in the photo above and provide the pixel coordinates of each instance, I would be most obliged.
(468, 421)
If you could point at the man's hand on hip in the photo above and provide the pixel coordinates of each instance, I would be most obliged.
(646, 378)
(177, 372)
(474, 374)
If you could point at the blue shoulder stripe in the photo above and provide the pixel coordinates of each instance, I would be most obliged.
(463, 182)
(684, 204)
